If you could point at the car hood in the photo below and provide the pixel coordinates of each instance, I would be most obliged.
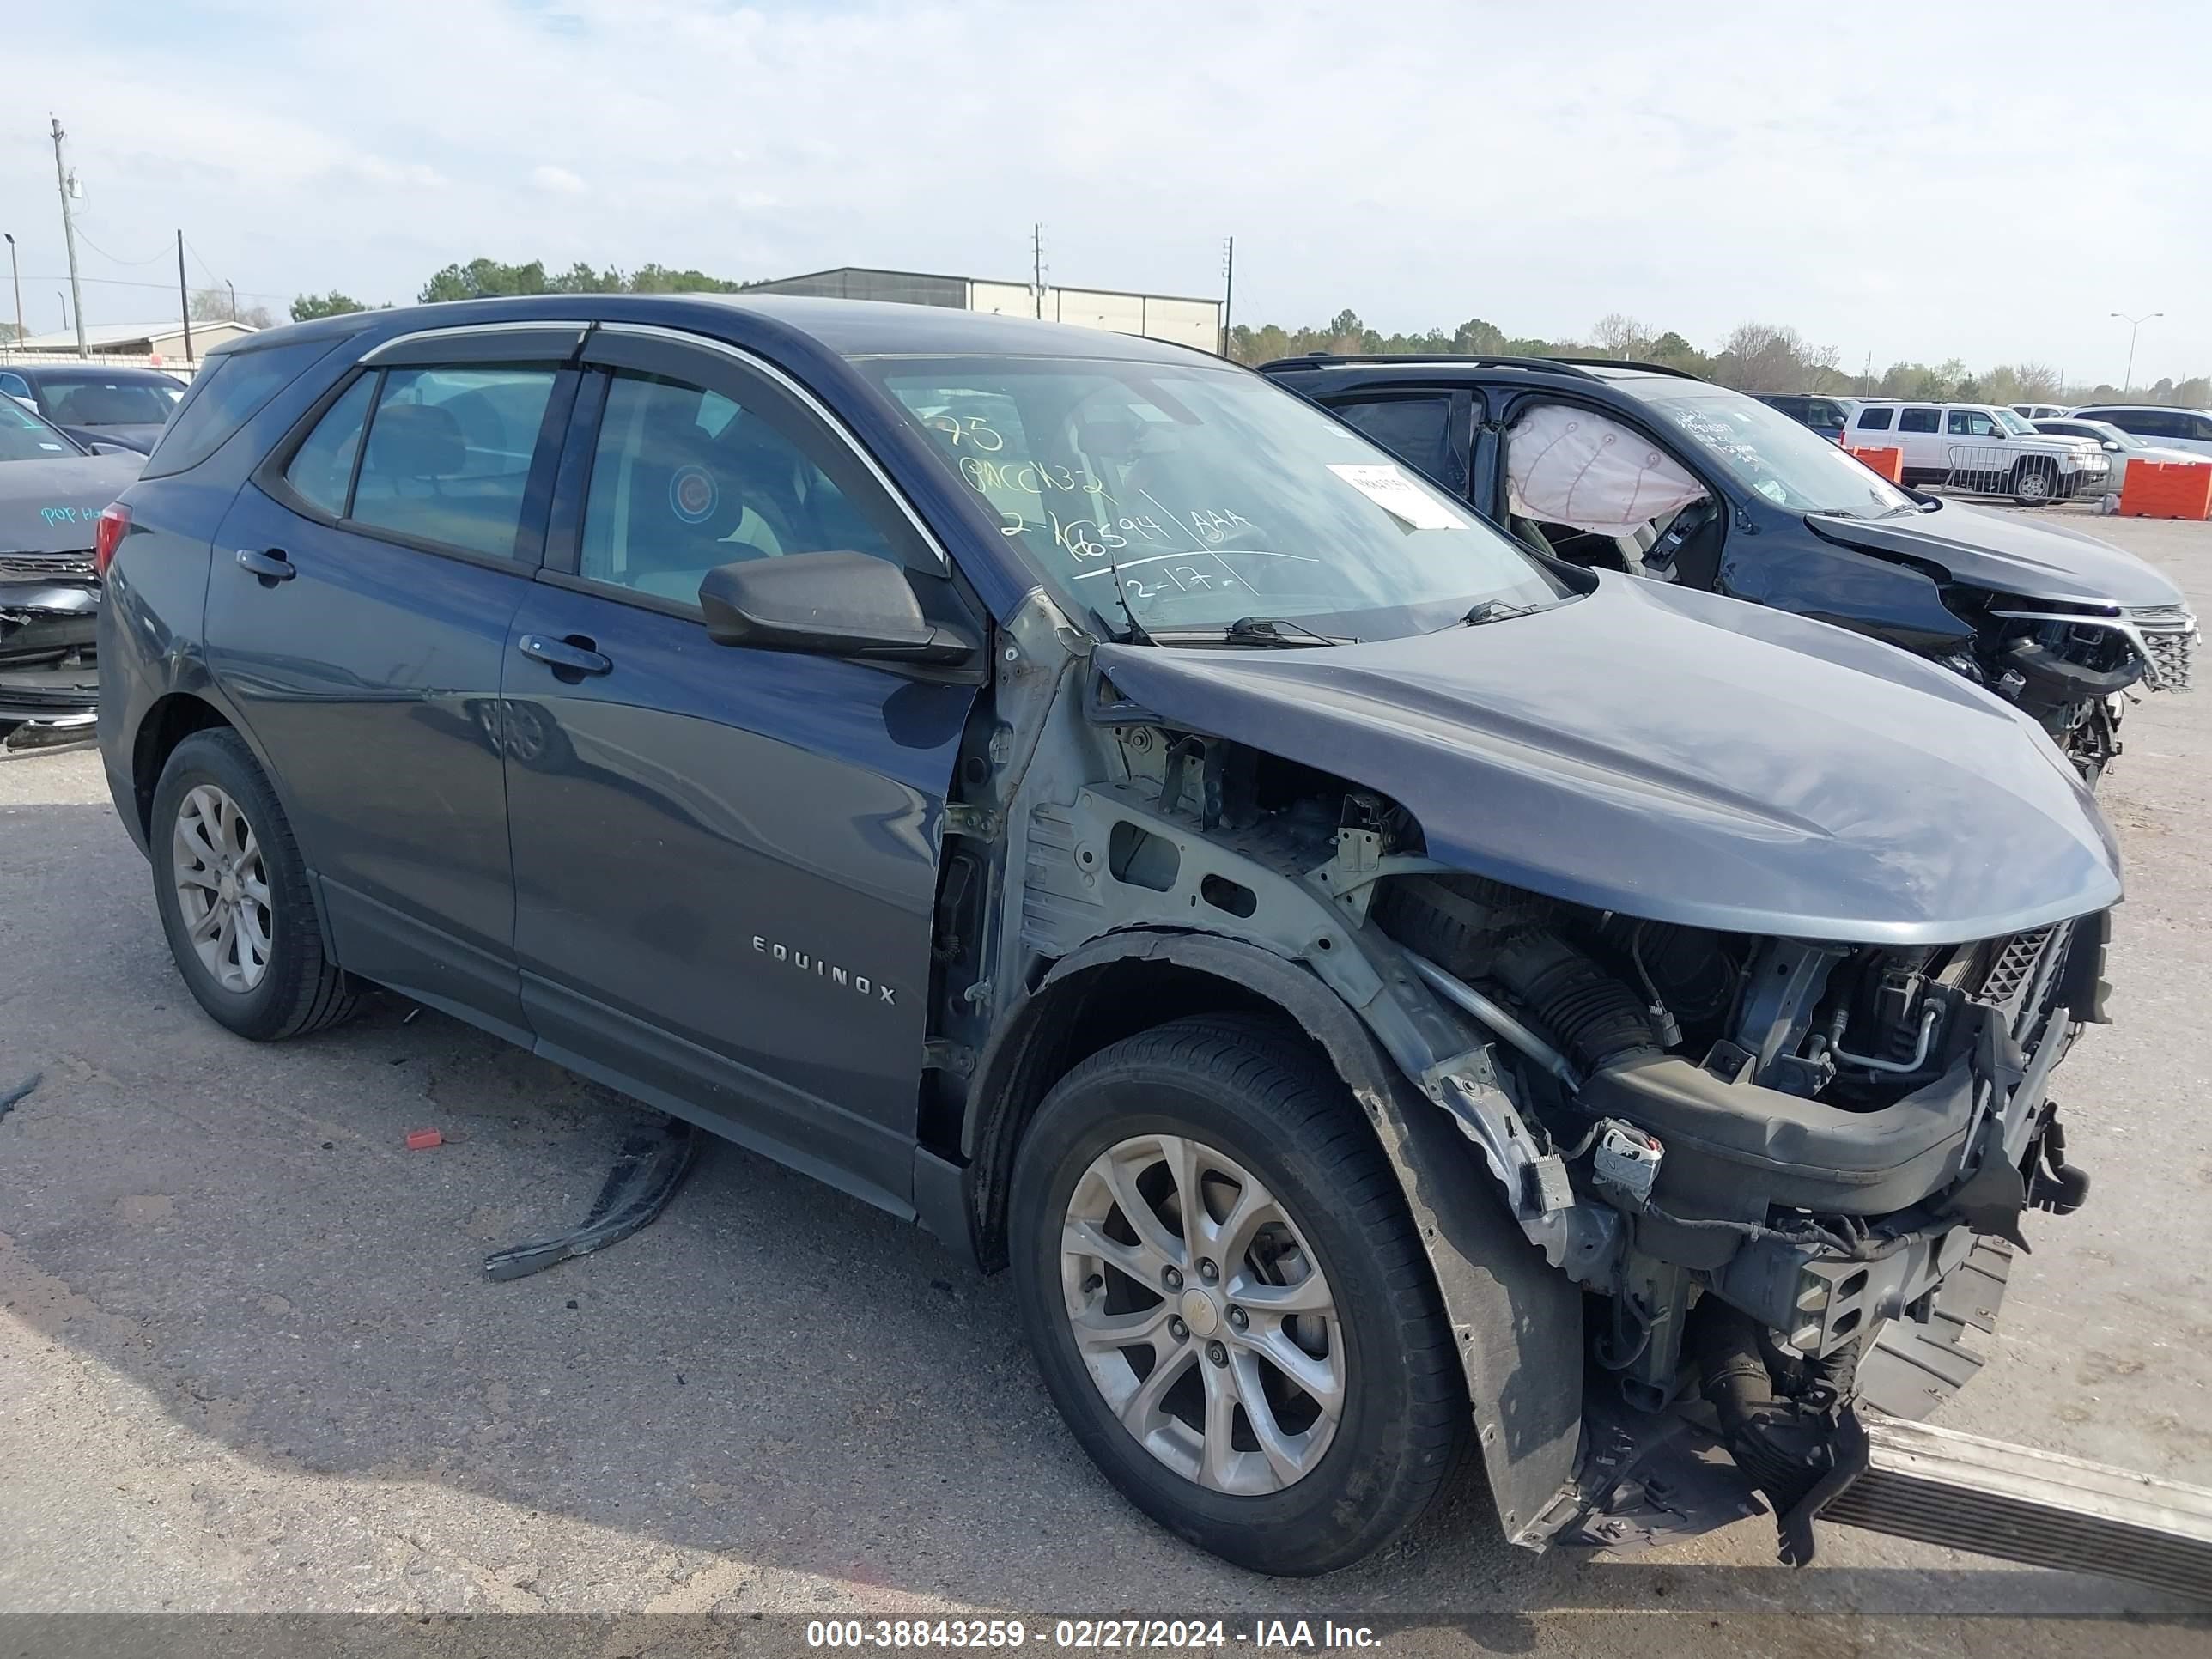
(49, 506)
(2007, 554)
(1679, 756)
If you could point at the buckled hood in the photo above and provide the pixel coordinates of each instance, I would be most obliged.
(1675, 756)
(2007, 554)
(50, 507)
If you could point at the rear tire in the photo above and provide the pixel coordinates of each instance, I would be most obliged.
(223, 851)
(1301, 1496)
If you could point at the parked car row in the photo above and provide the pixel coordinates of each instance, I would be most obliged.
(112, 405)
(1930, 430)
(1387, 980)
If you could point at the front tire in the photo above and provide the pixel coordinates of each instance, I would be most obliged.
(233, 895)
(1227, 1299)
(2034, 484)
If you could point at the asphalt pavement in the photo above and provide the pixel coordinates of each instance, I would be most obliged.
(249, 1364)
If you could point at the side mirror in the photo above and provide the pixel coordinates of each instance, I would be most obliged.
(826, 604)
(2110, 445)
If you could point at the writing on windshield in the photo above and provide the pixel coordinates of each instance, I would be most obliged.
(1204, 494)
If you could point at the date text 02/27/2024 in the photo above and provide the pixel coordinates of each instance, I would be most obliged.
(1087, 1634)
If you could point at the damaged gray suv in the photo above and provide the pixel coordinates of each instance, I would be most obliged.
(1383, 991)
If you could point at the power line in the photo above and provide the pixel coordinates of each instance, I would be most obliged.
(166, 288)
(112, 258)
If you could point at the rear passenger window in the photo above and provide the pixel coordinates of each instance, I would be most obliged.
(684, 480)
(227, 392)
(448, 455)
(321, 472)
(1417, 430)
(1874, 420)
(1917, 420)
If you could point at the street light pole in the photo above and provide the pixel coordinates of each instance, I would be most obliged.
(16, 276)
(2134, 325)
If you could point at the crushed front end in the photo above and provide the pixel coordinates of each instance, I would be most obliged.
(1789, 1172)
(49, 614)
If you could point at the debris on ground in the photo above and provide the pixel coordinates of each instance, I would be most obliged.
(22, 1091)
(420, 1141)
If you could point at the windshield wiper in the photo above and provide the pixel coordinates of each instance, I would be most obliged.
(1277, 632)
(1490, 610)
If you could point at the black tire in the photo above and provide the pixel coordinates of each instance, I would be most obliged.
(1259, 1094)
(2044, 478)
(302, 989)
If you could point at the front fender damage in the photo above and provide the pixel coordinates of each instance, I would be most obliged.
(1516, 1323)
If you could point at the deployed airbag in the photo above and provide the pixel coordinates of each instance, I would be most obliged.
(1574, 466)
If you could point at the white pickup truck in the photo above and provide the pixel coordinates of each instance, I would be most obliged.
(1982, 448)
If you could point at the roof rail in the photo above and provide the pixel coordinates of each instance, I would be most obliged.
(1415, 359)
(1628, 362)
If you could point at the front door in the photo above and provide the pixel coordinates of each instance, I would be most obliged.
(725, 859)
(357, 617)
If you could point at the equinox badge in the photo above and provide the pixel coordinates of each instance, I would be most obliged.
(813, 964)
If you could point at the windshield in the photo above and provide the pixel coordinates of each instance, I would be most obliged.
(1766, 451)
(2018, 425)
(107, 400)
(25, 437)
(1215, 495)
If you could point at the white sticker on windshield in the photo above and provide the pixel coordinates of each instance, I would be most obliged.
(1400, 496)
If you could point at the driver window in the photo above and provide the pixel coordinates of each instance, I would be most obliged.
(684, 479)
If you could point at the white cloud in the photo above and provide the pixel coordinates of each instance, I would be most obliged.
(1421, 163)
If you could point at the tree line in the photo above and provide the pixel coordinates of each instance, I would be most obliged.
(486, 279)
(1754, 357)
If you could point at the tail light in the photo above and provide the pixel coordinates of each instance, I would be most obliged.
(107, 535)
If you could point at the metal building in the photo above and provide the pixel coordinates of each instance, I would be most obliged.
(1178, 318)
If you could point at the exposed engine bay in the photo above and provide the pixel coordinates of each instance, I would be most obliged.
(1756, 1156)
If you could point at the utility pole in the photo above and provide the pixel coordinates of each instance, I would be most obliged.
(183, 297)
(67, 180)
(1037, 267)
(2135, 325)
(16, 275)
(1228, 287)
(233, 287)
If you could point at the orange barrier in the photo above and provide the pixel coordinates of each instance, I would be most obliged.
(2167, 489)
(1890, 463)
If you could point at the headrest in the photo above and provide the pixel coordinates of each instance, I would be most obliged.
(415, 440)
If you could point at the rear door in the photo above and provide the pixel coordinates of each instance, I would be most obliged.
(357, 616)
(725, 859)
(1920, 435)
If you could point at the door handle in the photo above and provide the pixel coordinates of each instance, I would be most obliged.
(271, 566)
(572, 655)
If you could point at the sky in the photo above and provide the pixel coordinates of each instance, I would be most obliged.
(1902, 183)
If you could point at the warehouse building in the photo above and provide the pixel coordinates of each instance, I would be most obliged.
(156, 343)
(1179, 318)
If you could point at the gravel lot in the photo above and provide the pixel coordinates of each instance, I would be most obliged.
(248, 1363)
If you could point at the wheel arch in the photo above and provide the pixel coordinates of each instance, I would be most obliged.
(168, 720)
(173, 717)
(1516, 1323)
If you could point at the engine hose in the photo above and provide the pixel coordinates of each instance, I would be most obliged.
(1479, 929)
(1781, 1444)
(1598, 1019)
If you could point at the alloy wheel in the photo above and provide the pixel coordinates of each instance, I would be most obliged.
(223, 888)
(1201, 1315)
